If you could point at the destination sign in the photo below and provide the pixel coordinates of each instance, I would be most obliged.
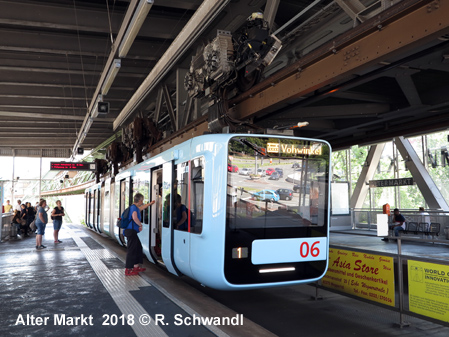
(293, 149)
(65, 166)
(391, 182)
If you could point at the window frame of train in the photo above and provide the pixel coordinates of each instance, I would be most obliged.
(141, 183)
(94, 208)
(191, 197)
(89, 212)
(87, 208)
(268, 240)
(123, 184)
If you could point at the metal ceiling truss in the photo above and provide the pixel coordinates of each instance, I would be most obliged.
(383, 38)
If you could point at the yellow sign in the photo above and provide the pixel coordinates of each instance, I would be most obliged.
(293, 149)
(428, 288)
(360, 274)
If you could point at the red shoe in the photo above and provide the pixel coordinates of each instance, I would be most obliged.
(129, 272)
(139, 269)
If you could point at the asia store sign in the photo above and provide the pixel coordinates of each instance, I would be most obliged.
(293, 149)
(364, 275)
(429, 289)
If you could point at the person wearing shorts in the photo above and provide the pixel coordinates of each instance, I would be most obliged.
(57, 214)
(41, 222)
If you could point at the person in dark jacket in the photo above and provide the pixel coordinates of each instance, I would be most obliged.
(57, 214)
(31, 214)
(23, 220)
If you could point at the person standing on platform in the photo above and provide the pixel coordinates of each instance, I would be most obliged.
(57, 214)
(31, 214)
(23, 220)
(41, 222)
(18, 207)
(425, 219)
(398, 223)
(134, 254)
(8, 207)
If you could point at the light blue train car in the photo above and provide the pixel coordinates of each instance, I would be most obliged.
(208, 223)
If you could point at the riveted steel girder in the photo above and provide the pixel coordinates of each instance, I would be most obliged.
(392, 33)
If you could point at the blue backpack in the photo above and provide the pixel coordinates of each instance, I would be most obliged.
(124, 221)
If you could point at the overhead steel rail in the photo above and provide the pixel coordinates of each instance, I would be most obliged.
(374, 40)
(203, 16)
(133, 20)
(397, 30)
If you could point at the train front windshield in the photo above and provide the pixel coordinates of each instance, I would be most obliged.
(277, 199)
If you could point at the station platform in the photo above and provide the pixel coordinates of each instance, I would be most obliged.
(417, 245)
(78, 288)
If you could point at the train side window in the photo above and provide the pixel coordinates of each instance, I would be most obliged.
(142, 186)
(197, 195)
(181, 186)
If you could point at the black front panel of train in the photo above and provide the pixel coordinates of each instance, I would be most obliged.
(240, 269)
(277, 188)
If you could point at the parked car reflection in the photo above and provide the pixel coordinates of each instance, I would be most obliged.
(261, 172)
(274, 176)
(233, 168)
(245, 171)
(285, 193)
(269, 171)
(266, 195)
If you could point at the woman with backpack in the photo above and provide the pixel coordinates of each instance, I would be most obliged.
(134, 255)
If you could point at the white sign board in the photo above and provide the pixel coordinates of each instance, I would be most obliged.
(382, 225)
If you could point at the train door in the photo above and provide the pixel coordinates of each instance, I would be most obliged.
(141, 183)
(94, 210)
(106, 196)
(124, 202)
(100, 198)
(156, 215)
(167, 244)
(180, 217)
(86, 208)
(89, 212)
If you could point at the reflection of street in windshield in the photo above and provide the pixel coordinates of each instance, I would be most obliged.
(273, 188)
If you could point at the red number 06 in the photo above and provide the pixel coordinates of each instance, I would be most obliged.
(314, 251)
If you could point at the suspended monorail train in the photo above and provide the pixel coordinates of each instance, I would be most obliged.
(257, 209)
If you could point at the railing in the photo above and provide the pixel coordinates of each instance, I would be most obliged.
(437, 267)
(366, 219)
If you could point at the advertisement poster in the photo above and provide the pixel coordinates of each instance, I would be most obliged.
(364, 275)
(428, 286)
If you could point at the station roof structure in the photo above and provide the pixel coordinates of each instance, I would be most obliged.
(358, 72)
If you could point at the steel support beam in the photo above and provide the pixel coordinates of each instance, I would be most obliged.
(194, 129)
(23, 115)
(188, 109)
(421, 176)
(157, 112)
(351, 7)
(109, 63)
(271, 8)
(171, 112)
(364, 46)
(408, 87)
(368, 170)
(181, 97)
(203, 16)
